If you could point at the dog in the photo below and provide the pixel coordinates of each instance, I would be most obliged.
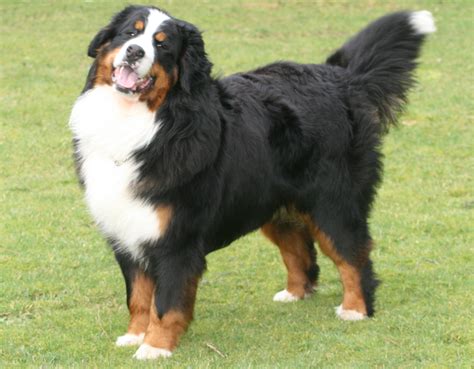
(176, 164)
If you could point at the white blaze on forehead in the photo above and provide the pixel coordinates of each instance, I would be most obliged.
(145, 41)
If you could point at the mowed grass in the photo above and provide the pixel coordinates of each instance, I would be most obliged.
(62, 299)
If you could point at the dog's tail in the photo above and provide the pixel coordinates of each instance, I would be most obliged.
(381, 59)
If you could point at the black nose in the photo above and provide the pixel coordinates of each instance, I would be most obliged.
(135, 52)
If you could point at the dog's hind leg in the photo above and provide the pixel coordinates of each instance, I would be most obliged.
(351, 258)
(299, 255)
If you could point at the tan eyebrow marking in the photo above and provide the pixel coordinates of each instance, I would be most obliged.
(139, 25)
(160, 36)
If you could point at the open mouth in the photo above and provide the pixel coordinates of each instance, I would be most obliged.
(127, 80)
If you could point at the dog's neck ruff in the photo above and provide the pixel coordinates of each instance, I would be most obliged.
(109, 127)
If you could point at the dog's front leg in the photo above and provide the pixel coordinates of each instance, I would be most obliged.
(176, 278)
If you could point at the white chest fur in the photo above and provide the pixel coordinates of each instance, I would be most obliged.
(109, 128)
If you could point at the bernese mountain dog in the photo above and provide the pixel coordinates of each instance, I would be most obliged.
(176, 163)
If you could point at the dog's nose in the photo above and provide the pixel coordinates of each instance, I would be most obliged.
(135, 52)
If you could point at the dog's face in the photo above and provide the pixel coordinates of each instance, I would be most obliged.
(144, 52)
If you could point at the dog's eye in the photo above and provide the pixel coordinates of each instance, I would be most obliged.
(131, 33)
(161, 44)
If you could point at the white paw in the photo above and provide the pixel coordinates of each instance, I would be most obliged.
(147, 352)
(285, 296)
(130, 339)
(349, 314)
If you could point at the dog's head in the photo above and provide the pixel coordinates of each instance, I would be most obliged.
(146, 52)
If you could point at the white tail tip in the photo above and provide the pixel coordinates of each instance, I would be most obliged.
(422, 22)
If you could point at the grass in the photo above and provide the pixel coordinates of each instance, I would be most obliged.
(61, 293)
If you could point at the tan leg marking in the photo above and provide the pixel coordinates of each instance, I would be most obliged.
(139, 304)
(291, 241)
(164, 332)
(353, 298)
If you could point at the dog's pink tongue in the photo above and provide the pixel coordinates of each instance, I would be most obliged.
(126, 77)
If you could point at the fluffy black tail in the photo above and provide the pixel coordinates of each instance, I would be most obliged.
(381, 58)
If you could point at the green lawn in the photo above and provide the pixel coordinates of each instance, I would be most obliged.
(62, 299)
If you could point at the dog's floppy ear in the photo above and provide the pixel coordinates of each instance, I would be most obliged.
(107, 33)
(193, 63)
